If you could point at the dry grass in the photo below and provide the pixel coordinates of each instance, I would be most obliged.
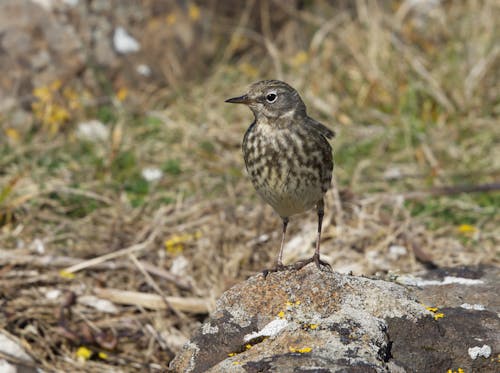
(415, 104)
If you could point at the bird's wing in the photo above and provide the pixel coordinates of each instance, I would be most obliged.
(321, 128)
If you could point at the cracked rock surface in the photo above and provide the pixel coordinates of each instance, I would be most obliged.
(317, 321)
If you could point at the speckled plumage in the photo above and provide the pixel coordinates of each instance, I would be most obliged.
(286, 153)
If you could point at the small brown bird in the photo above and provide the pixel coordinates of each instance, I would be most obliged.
(287, 156)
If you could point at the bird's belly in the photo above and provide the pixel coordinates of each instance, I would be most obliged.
(288, 187)
(287, 169)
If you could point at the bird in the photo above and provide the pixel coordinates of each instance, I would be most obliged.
(287, 156)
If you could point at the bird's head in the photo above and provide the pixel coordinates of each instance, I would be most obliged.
(272, 99)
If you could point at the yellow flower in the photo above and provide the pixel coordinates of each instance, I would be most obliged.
(175, 244)
(248, 70)
(467, 228)
(55, 85)
(281, 314)
(42, 93)
(12, 134)
(194, 12)
(299, 59)
(171, 18)
(83, 353)
(66, 274)
(122, 94)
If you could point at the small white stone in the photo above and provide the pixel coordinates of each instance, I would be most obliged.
(9, 346)
(179, 265)
(39, 246)
(152, 174)
(124, 42)
(46, 4)
(475, 352)
(53, 294)
(396, 251)
(99, 304)
(143, 69)
(6, 367)
(92, 130)
(392, 173)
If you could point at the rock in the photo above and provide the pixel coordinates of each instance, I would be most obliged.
(465, 301)
(300, 320)
(319, 321)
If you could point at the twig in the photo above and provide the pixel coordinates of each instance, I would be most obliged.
(166, 275)
(154, 301)
(153, 284)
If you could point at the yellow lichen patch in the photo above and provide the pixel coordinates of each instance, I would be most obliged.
(313, 326)
(438, 316)
(303, 350)
(459, 370)
(281, 314)
(236, 362)
(231, 354)
(248, 346)
(83, 353)
(102, 355)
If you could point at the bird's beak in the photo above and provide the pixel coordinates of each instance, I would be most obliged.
(239, 100)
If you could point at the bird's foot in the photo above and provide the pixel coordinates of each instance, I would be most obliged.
(314, 259)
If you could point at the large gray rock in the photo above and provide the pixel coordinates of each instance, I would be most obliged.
(328, 322)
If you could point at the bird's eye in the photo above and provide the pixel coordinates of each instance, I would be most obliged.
(271, 97)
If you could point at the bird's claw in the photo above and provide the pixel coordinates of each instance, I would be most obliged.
(314, 259)
(278, 268)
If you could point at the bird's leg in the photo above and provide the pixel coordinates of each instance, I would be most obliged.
(279, 261)
(315, 258)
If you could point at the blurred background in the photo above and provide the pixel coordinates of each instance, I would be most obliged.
(125, 210)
